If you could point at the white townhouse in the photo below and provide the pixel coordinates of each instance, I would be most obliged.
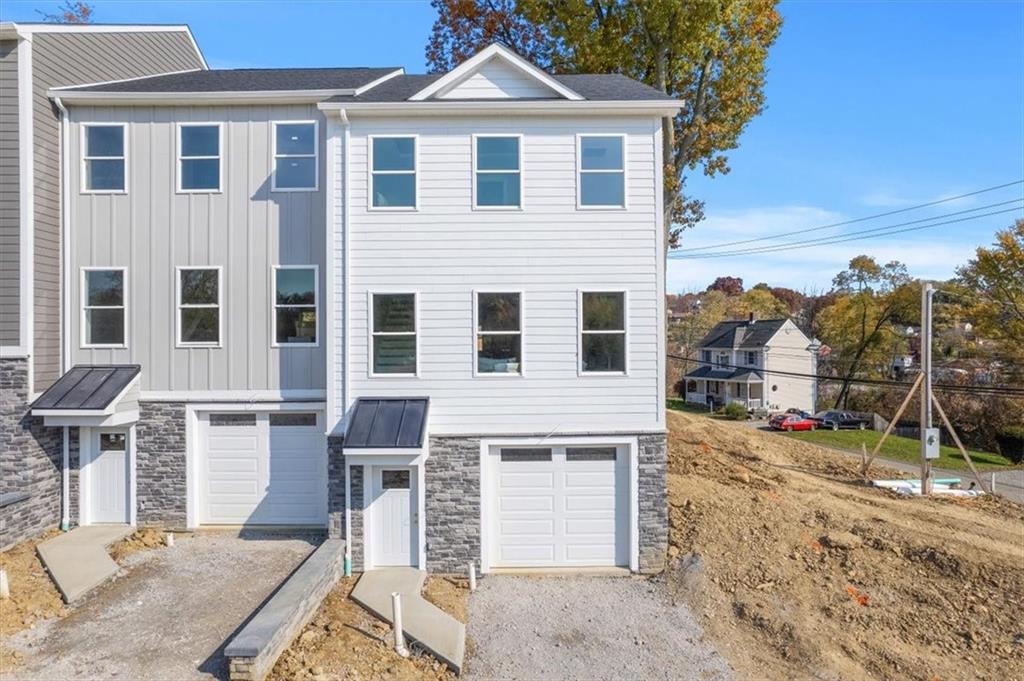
(424, 312)
(760, 363)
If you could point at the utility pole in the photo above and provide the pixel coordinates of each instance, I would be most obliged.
(927, 433)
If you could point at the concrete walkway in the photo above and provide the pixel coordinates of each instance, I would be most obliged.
(422, 621)
(78, 561)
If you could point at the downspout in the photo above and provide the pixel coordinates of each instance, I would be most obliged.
(346, 126)
(65, 353)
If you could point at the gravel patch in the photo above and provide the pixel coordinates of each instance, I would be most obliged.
(591, 628)
(168, 616)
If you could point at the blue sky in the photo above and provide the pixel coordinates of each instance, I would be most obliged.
(872, 106)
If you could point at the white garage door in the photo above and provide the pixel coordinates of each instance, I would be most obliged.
(560, 507)
(266, 468)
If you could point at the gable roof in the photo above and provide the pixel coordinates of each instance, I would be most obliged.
(249, 80)
(494, 52)
(742, 334)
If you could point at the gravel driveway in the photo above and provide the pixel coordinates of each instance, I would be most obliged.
(584, 628)
(169, 617)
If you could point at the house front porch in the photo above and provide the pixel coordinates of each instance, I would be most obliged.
(743, 386)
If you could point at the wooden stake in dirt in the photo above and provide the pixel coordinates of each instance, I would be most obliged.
(892, 424)
(472, 576)
(5, 586)
(960, 445)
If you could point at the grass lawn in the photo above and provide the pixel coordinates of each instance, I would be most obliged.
(900, 448)
(676, 404)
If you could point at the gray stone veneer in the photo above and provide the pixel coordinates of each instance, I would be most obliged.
(160, 464)
(452, 502)
(30, 460)
(653, 500)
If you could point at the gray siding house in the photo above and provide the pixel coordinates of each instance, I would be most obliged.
(424, 313)
(33, 59)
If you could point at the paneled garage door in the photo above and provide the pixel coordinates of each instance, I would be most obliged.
(262, 468)
(560, 507)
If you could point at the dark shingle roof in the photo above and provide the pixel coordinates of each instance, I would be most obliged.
(88, 387)
(742, 334)
(723, 374)
(248, 80)
(388, 423)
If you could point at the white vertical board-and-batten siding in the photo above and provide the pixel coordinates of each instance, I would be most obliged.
(549, 250)
(245, 229)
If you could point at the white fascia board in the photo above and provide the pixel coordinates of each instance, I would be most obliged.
(463, 108)
(494, 51)
(66, 418)
(312, 396)
(185, 98)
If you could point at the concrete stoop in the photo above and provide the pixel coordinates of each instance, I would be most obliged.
(422, 621)
(78, 561)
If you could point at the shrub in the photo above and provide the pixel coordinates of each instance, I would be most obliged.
(1011, 443)
(735, 411)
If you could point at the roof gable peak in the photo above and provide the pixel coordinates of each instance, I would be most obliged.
(496, 72)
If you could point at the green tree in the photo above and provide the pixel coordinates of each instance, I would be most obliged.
(859, 325)
(994, 279)
(709, 53)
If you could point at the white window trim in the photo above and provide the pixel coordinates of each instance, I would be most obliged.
(84, 297)
(83, 144)
(274, 305)
(371, 332)
(519, 172)
(579, 170)
(477, 333)
(415, 173)
(579, 332)
(179, 306)
(315, 156)
(182, 158)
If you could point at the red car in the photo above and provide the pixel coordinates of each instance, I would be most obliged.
(791, 422)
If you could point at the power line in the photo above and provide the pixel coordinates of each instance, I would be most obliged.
(853, 221)
(1007, 391)
(825, 241)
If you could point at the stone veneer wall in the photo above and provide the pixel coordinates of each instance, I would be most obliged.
(161, 492)
(653, 500)
(336, 499)
(453, 504)
(30, 459)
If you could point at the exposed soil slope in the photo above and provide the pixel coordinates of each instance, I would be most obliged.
(802, 571)
(33, 595)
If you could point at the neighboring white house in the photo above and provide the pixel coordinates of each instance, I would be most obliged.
(762, 364)
(425, 312)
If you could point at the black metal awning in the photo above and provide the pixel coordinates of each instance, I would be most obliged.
(388, 423)
(88, 387)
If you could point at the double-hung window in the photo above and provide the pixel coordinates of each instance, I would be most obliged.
(601, 180)
(603, 332)
(199, 301)
(751, 358)
(393, 172)
(497, 166)
(104, 158)
(296, 291)
(295, 156)
(199, 156)
(499, 333)
(103, 308)
(393, 334)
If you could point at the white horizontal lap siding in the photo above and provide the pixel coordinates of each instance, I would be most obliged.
(548, 250)
(244, 228)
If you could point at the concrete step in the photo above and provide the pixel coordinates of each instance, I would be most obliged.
(78, 561)
(422, 621)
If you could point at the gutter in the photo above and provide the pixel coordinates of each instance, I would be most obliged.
(65, 353)
(347, 139)
(548, 107)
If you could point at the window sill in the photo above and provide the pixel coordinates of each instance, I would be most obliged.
(104, 191)
(104, 347)
(293, 190)
(580, 206)
(373, 375)
(199, 191)
(392, 209)
(503, 209)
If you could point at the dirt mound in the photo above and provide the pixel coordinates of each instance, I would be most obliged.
(142, 539)
(344, 641)
(802, 571)
(33, 595)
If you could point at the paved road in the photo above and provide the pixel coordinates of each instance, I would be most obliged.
(1009, 483)
(168, 618)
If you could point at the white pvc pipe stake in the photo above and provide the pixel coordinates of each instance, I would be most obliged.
(396, 605)
(992, 485)
(5, 586)
(169, 539)
(472, 576)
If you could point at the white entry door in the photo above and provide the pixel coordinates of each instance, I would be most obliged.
(394, 516)
(108, 477)
(560, 507)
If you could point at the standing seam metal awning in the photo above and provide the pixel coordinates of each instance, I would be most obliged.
(88, 387)
(388, 423)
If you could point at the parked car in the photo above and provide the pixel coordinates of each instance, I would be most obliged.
(799, 412)
(791, 422)
(840, 419)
